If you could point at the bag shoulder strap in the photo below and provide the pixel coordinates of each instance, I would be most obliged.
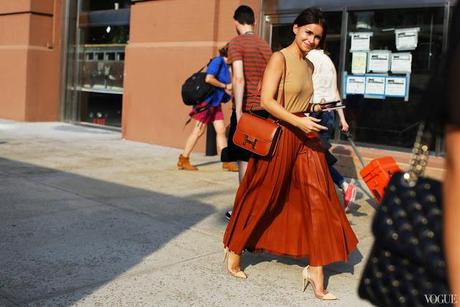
(284, 80)
(201, 69)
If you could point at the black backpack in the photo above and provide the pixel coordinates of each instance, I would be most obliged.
(195, 89)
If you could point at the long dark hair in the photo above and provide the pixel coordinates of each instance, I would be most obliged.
(310, 16)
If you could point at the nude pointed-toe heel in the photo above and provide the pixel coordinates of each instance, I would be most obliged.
(238, 274)
(306, 279)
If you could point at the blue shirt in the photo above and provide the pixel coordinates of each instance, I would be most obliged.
(219, 69)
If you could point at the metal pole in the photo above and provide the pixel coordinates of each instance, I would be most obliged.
(211, 147)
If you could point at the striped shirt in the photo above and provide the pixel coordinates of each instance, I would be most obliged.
(255, 53)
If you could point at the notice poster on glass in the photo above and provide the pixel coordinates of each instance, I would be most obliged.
(359, 62)
(355, 85)
(396, 86)
(379, 61)
(401, 62)
(375, 86)
(406, 39)
(360, 41)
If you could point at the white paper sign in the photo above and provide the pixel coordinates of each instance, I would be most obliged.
(379, 61)
(406, 39)
(401, 62)
(355, 85)
(396, 86)
(359, 63)
(360, 41)
(375, 85)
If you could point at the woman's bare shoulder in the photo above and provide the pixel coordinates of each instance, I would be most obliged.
(278, 56)
(276, 61)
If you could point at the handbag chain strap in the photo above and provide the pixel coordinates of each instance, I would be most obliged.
(420, 155)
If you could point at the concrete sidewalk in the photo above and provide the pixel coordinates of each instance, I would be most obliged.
(90, 219)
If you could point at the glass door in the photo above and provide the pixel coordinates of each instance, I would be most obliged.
(95, 65)
(278, 32)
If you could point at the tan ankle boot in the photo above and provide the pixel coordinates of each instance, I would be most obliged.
(184, 163)
(230, 166)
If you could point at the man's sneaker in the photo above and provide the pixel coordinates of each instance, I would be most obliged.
(349, 195)
(228, 215)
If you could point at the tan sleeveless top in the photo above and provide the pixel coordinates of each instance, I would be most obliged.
(298, 88)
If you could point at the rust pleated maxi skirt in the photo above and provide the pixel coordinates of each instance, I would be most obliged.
(287, 205)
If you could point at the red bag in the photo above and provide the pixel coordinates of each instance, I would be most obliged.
(377, 175)
(256, 134)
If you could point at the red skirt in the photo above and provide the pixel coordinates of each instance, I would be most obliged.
(209, 115)
(287, 205)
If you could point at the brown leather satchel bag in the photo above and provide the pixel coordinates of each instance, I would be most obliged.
(256, 134)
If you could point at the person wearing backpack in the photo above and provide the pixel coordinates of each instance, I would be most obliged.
(210, 111)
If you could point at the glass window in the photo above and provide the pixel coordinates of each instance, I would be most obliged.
(96, 61)
(393, 121)
(111, 56)
(282, 35)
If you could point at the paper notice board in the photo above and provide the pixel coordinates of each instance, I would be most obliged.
(360, 41)
(406, 39)
(401, 62)
(375, 86)
(355, 85)
(359, 62)
(396, 86)
(379, 61)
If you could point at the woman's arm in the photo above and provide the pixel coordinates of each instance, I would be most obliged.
(343, 122)
(451, 194)
(270, 84)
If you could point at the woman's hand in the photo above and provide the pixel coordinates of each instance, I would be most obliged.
(309, 124)
(344, 125)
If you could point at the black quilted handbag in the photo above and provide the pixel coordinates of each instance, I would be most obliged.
(406, 265)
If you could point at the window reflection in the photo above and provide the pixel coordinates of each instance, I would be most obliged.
(393, 121)
(103, 32)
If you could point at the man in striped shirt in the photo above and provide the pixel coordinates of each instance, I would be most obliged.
(248, 54)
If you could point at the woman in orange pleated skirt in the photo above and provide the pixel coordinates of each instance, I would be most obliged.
(287, 204)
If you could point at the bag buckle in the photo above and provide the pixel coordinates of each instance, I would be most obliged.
(248, 140)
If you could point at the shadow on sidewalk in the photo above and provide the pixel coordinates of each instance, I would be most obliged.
(66, 234)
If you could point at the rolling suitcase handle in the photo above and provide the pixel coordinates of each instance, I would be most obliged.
(355, 149)
(358, 154)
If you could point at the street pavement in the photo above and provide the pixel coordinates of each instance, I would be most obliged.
(90, 219)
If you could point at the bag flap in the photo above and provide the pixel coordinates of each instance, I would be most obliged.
(266, 128)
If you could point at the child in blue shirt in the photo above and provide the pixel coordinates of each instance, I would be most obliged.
(210, 111)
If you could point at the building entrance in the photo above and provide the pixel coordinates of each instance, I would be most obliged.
(98, 32)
